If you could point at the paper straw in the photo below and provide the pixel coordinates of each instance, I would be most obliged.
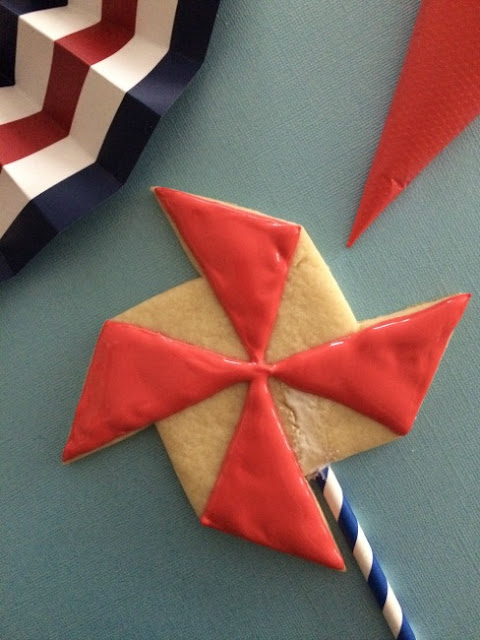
(363, 554)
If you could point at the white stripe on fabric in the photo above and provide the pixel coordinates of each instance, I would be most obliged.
(30, 176)
(15, 104)
(105, 86)
(13, 200)
(36, 34)
(150, 26)
(100, 98)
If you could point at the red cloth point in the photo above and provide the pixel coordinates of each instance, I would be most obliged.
(437, 96)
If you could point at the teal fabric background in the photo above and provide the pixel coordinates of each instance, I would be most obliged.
(284, 117)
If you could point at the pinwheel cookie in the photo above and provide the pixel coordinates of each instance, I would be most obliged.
(257, 373)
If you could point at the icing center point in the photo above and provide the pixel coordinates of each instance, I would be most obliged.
(262, 369)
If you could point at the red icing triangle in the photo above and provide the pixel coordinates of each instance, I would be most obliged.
(437, 96)
(245, 257)
(261, 493)
(137, 377)
(383, 371)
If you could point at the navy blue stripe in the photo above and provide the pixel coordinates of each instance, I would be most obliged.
(144, 105)
(42, 218)
(26, 6)
(8, 45)
(134, 122)
(193, 27)
(406, 631)
(10, 10)
(83, 191)
(6, 270)
(321, 478)
(348, 524)
(140, 111)
(378, 582)
(28, 232)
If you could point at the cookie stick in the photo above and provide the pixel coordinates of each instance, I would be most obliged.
(364, 555)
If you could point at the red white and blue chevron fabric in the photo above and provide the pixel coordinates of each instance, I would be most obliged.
(82, 86)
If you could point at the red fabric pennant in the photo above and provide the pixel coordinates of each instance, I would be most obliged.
(261, 493)
(437, 96)
(244, 256)
(383, 371)
(138, 377)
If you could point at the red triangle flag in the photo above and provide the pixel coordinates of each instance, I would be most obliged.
(383, 371)
(261, 493)
(137, 377)
(437, 96)
(244, 256)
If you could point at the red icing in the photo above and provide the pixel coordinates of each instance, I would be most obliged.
(261, 493)
(139, 376)
(244, 256)
(383, 371)
(437, 96)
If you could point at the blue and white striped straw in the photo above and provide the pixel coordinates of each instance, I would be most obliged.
(363, 554)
